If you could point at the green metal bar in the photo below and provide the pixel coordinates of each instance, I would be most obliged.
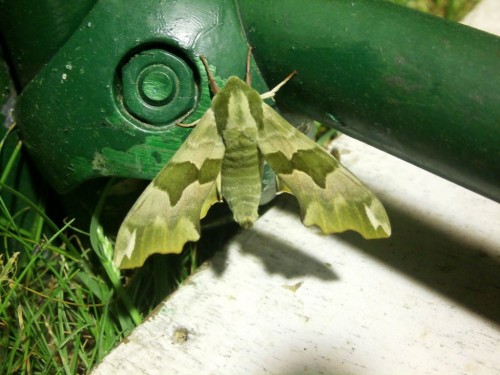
(419, 87)
(33, 30)
(422, 88)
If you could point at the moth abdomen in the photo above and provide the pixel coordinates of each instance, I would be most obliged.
(241, 184)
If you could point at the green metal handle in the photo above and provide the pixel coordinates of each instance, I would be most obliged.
(419, 87)
(103, 98)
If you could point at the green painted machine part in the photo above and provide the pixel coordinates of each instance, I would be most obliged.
(34, 30)
(102, 84)
(419, 87)
(107, 102)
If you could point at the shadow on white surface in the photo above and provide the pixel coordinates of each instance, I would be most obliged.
(463, 267)
(278, 257)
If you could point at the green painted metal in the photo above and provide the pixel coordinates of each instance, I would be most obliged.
(33, 31)
(419, 87)
(152, 89)
(102, 98)
(107, 102)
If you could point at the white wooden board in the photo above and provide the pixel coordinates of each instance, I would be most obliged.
(282, 299)
(485, 16)
(426, 301)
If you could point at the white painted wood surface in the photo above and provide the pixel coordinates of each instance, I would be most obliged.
(485, 16)
(282, 299)
(426, 301)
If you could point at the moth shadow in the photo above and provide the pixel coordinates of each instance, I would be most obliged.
(277, 256)
(439, 258)
(466, 271)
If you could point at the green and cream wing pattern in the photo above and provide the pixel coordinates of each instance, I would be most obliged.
(168, 213)
(328, 194)
(222, 158)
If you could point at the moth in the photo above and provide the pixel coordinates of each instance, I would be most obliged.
(222, 158)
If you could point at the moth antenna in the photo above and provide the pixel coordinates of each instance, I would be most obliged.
(248, 75)
(273, 92)
(211, 81)
(190, 125)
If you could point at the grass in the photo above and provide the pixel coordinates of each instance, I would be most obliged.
(58, 311)
(450, 9)
(63, 305)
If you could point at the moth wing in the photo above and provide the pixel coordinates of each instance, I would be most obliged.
(168, 213)
(328, 194)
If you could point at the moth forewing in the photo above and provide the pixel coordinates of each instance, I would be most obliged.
(328, 194)
(168, 212)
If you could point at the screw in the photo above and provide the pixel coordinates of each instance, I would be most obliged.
(156, 86)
